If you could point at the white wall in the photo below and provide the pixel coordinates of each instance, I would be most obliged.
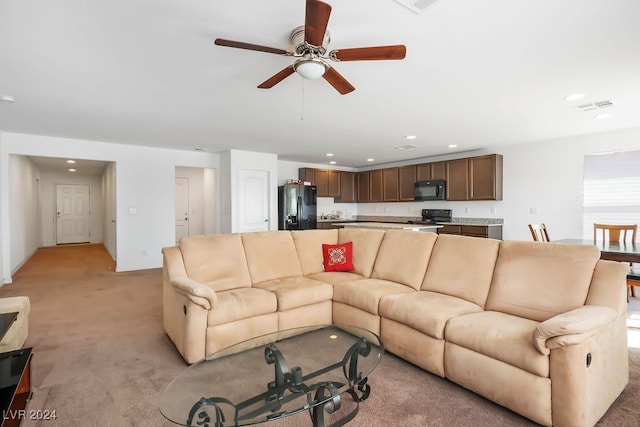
(109, 212)
(145, 181)
(23, 211)
(48, 182)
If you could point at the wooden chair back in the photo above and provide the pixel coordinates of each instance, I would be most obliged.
(615, 232)
(539, 232)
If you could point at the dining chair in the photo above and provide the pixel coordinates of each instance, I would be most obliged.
(539, 232)
(617, 232)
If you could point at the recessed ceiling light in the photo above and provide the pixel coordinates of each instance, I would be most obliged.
(574, 96)
(452, 146)
(71, 161)
(603, 116)
(332, 162)
(410, 137)
(405, 147)
(329, 154)
(7, 98)
(71, 170)
(370, 160)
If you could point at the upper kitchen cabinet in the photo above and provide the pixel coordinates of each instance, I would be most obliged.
(407, 177)
(363, 187)
(347, 187)
(475, 178)
(485, 177)
(390, 181)
(429, 171)
(327, 182)
(375, 186)
(457, 177)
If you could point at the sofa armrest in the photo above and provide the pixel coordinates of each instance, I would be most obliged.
(200, 294)
(572, 327)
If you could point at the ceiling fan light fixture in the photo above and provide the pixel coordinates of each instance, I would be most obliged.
(310, 68)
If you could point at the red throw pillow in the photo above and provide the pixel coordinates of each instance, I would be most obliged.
(338, 257)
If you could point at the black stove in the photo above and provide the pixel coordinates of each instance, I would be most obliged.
(433, 216)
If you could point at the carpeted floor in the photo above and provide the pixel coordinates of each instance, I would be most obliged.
(101, 357)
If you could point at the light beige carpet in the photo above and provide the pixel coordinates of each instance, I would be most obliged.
(101, 357)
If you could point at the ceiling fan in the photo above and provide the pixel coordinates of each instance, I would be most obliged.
(310, 42)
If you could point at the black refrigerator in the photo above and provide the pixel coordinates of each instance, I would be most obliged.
(297, 207)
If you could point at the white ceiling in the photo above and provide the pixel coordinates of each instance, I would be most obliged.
(477, 74)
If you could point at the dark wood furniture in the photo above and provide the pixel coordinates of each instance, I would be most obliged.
(15, 385)
(539, 232)
(470, 178)
(486, 231)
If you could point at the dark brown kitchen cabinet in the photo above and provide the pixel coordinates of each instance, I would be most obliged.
(485, 177)
(327, 182)
(307, 174)
(485, 231)
(429, 171)
(407, 177)
(439, 170)
(390, 181)
(375, 186)
(363, 187)
(347, 187)
(457, 177)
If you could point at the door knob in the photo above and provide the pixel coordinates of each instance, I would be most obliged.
(266, 220)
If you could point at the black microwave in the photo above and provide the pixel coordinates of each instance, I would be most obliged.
(430, 190)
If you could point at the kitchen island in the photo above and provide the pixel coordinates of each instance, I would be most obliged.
(433, 228)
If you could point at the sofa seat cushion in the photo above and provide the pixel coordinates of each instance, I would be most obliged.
(366, 294)
(293, 292)
(500, 336)
(335, 277)
(424, 311)
(241, 303)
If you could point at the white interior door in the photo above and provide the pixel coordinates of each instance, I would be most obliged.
(72, 214)
(253, 200)
(182, 208)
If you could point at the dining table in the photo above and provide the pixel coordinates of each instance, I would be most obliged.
(613, 251)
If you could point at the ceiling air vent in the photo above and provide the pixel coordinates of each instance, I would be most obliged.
(595, 105)
(416, 6)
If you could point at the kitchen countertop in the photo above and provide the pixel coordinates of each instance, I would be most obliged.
(470, 223)
(389, 225)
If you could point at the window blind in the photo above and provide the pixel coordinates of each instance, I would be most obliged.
(611, 189)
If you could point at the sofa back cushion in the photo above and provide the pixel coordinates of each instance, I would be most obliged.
(403, 257)
(216, 260)
(538, 280)
(366, 243)
(462, 267)
(270, 255)
(309, 247)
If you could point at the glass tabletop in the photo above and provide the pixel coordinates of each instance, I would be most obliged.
(273, 376)
(6, 320)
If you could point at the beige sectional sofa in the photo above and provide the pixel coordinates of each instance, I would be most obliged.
(539, 328)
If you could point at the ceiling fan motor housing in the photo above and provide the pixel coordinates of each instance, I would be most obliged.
(299, 46)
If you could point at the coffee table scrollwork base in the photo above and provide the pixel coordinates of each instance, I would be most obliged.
(321, 397)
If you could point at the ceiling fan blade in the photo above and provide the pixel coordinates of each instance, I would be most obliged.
(372, 53)
(336, 80)
(277, 78)
(249, 46)
(315, 22)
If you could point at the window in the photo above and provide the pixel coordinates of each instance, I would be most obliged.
(611, 189)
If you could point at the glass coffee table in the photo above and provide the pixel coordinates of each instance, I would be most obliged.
(276, 375)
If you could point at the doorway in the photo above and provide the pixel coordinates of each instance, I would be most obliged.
(73, 217)
(195, 207)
